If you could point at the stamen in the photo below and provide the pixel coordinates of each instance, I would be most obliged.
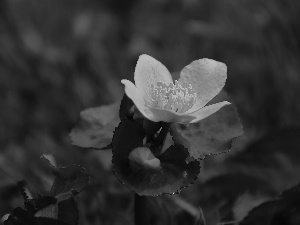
(178, 98)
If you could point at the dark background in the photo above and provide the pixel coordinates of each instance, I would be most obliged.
(59, 57)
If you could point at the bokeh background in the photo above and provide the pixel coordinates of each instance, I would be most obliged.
(59, 57)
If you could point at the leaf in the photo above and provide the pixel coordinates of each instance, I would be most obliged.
(230, 186)
(48, 221)
(39, 203)
(219, 194)
(50, 159)
(4, 218)
(292, 195)
(126, 108)
(264, 213)
(48, 212)
(95, 127)
(245, 203)
(174, 174)
(284, 210)
(68, 211)
(70, 179)
(274, 158)
(26, 191)
(19, 217)
(213, 135)
(43, 210)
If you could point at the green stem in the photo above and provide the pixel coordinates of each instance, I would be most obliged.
(141, 216)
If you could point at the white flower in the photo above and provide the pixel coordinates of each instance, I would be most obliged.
(158, 98)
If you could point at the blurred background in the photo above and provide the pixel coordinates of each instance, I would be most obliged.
(59, 57)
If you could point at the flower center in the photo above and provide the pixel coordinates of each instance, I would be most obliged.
(175, 97)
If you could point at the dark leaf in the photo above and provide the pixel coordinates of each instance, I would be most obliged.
(274, 158)
(41, 202)
(223, 192)
(285, 210)
(264, 214)
(174, 174)
(68, 211)
(231, 186)
(126, 108)
(151, 127)
(48, 212)
(48, 221)
(292, 195)
(7, 195)
(50, 160)
(212, 135)
(26, 191)
(44, 201)
(95, 127)
(20, 217)
(71, 179)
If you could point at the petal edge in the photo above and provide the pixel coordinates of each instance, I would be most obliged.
(149, 71)
(140, 102)
(207, 77)
(207, 111)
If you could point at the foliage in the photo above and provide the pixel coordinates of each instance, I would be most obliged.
(174, 173)
(147, 168)
(54, 67)
(214, 134)
(284, 210)
(96, 126)
(56, 207)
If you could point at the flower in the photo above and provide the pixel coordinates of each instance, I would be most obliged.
(158, 98)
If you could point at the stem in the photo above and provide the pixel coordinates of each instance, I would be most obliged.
(163, 133)
(141, 216)
(159, 141)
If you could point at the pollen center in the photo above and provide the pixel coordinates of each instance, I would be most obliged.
(175, 97)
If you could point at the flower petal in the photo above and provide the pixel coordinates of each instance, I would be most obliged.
(140, 102)
(169, 116)
(207, 111)
(207, 78)
(149, 71)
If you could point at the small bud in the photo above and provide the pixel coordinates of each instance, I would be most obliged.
(143, 157)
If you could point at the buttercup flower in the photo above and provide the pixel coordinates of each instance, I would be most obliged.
(158, 98)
